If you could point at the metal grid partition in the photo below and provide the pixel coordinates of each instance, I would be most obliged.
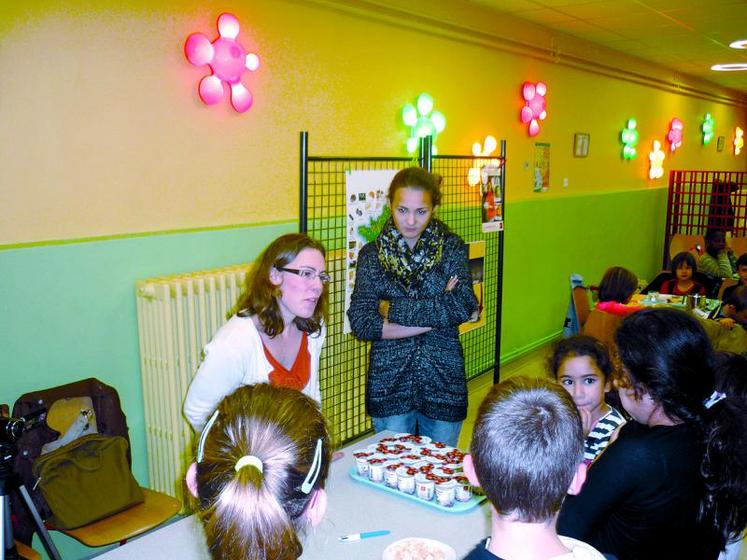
(701, 200)
(460, 209)
(323, 204)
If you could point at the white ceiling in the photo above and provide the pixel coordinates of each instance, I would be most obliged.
(687, 36)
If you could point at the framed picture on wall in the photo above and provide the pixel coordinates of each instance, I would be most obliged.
(581, 144)
(720, 143)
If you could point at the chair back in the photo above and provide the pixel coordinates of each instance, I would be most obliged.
(656, 283)
(738, 245)
(110, 418)
(727, 283)
(710, 283)
(686, 242)
(581, 305)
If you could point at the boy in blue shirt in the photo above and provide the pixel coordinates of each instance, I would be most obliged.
(527, 453)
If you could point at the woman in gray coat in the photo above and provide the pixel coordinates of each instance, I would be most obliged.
(413, 288)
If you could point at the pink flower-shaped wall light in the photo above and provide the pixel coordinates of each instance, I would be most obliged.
(227, 59)
(534, 109)
(674, 136)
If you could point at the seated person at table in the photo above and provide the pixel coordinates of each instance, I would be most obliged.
(664, 489)
(717, 260)
(742, 273)
(724, 332)
(582, 366)
(615, 290)
(262, 460)
(527, 454)
(734, 311)
(683, 268)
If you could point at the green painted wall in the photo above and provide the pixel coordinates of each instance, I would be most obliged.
(548, 238)
(68, 311)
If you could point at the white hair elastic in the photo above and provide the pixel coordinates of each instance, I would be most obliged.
(715, 397)
(249, 460)
(316, 467)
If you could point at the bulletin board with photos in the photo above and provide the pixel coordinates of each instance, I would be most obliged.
(344, 215)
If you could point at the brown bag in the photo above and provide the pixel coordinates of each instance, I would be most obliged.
(86, 480)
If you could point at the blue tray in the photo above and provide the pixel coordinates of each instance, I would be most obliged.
(458, 507)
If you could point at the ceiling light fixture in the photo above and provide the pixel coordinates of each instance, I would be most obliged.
(735, 67)
(740, 44)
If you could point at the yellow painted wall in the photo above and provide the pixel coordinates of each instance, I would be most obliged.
(103, 132)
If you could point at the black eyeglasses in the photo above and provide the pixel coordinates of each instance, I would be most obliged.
(307, 274)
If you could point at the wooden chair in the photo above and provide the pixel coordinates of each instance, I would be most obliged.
(686, 242)
(27, 552)
(118, 528)
(581, 305)
(738, 245)
(64, 403)
(655, 284)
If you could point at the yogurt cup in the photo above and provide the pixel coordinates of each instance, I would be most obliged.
(376, 466)
(361, 461)
(425, 487)
(463, 491)
(390, 473)
(446, 492)
(406, 479)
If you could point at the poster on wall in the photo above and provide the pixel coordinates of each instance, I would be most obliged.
(492, 198)
(541, 178)
(477, 269)
(365, 192)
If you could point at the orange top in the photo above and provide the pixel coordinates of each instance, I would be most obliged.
(298, 375)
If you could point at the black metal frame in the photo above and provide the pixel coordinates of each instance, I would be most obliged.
(323, 204)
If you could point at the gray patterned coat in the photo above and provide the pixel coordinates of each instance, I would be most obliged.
(422, 373)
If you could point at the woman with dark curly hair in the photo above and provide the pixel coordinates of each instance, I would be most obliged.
(673, 485)
(413, 288)
(274, 333)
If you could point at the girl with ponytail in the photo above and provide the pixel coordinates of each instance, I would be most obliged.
(262, 461)
(673, 485)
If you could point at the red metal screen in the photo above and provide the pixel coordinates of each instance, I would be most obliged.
(703, 200)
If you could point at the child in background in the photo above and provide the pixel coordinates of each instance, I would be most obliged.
(716, 261)
(615, 292)
(262, 460)
(683, 267)
(742, 273)
(527, 454)
(581, 364)
(735, 308)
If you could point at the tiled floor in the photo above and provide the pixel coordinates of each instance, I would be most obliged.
(531, 365)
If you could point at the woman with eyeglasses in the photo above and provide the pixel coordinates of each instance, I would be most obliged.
(262, 461)
(413, 289)
(274, 333)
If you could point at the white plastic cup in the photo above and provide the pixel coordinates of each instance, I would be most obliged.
(424, 488)
(446, 493)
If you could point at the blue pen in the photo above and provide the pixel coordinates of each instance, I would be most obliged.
(358, 536)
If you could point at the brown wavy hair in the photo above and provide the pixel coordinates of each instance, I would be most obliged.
(253, 514)
(618, 284)
(259, 296)
(419, 179)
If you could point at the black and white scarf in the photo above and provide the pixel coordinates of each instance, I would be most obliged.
(409, 266)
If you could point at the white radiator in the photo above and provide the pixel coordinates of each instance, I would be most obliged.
(177, 316)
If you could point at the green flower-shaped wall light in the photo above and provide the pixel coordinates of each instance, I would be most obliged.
(423, 121)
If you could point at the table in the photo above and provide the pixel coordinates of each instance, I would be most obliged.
(353, 508)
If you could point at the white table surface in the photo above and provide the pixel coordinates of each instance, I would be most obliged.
(353, 508)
